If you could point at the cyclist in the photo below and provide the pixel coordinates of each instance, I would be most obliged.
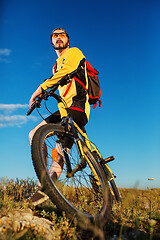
(73, 93)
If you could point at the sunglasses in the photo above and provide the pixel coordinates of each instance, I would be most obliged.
(61, 34)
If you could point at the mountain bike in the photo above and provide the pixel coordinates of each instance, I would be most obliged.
(86, 186)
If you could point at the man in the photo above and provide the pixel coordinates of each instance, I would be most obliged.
(73, 93)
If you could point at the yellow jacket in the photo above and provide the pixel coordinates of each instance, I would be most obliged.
(76, 96)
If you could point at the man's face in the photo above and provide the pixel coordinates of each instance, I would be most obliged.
(59, 40)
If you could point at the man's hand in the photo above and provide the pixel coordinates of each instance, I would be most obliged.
(34, 95)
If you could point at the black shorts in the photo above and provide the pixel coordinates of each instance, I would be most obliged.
(79, 117)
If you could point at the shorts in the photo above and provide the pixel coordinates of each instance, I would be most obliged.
(79, 117)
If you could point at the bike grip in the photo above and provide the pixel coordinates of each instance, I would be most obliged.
(31, 110)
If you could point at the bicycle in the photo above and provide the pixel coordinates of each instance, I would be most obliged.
(83, 189)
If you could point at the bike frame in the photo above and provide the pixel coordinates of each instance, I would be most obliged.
(79, 134)
(92, 148)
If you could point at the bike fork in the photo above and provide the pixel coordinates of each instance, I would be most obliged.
(66, 158)
(79, 166)
(77, 141)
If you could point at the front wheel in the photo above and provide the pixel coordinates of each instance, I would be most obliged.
(84, 195)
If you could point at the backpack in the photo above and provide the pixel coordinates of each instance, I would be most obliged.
(94, 90)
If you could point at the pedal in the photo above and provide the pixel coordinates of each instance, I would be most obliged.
(107, 160)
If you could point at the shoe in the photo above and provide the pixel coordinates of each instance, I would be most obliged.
(37, 198)
(55, 154)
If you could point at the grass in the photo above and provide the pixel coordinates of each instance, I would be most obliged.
(140, 210)
(138, 218)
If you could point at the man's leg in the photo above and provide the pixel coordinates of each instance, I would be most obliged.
(32, 132)
(57, 163)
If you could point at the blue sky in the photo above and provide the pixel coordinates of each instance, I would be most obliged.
(119, 38)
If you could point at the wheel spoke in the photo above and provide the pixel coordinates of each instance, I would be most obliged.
(80, 192)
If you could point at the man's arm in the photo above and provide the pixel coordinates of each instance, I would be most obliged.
(70, 64)
(34, 95)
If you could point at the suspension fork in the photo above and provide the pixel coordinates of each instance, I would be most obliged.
(79, 166)
(66, 158)
(76, 138)
(78, 144)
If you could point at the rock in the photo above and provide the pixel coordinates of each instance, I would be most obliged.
(20, 221)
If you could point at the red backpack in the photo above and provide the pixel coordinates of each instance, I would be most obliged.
(94, 90)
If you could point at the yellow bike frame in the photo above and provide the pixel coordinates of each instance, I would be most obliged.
(92, 148)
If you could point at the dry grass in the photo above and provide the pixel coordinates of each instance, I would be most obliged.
(140, 210)
(139, 214)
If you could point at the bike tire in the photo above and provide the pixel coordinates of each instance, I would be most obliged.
(115, 191)
(113, 188)
(77, 196)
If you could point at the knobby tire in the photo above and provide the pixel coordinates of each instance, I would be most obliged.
(86, 195)
(115, 195)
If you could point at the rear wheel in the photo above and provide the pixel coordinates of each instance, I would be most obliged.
(85, 195)
(113, 188)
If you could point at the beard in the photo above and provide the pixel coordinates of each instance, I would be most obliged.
(63, 46)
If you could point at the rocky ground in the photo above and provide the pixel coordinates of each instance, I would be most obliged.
(137, 219)
(16, 223)
(23, 225)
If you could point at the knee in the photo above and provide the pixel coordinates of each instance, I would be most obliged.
(31, 136)
(32, 132)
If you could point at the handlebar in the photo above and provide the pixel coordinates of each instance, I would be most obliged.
(45, 95)
(31, 109)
